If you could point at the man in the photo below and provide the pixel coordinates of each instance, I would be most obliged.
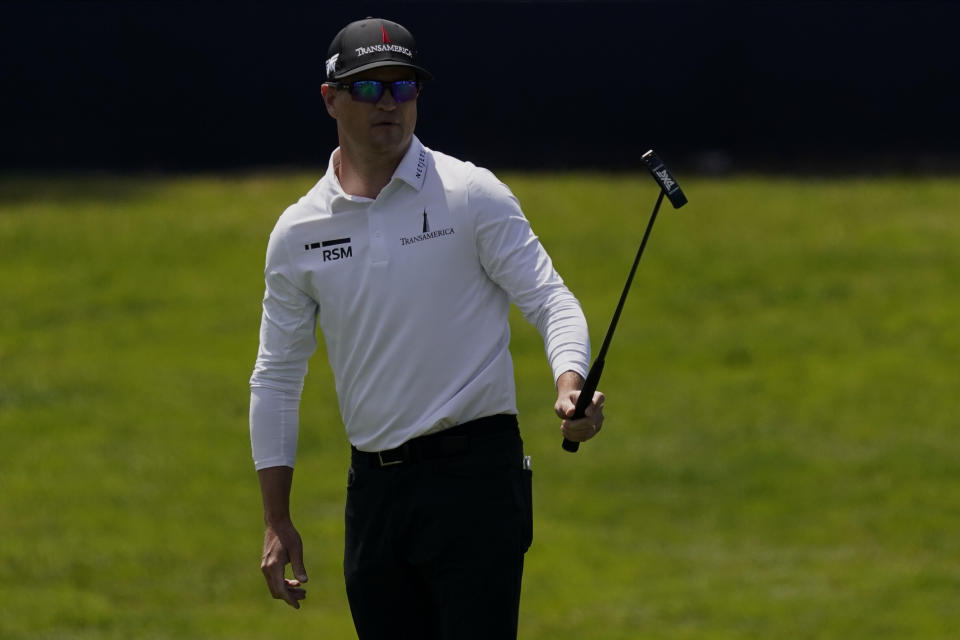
(409, 259)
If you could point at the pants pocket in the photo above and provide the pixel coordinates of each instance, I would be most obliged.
(525, 491)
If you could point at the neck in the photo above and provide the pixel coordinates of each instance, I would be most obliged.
(362, 174)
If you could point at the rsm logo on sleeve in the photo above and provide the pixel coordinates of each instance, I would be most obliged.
(332, 249)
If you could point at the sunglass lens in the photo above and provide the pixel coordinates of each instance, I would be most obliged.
(404, 90)
(367, 90)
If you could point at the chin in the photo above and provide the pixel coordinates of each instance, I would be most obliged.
(390, 139)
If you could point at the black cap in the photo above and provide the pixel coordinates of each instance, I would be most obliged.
(371, 43)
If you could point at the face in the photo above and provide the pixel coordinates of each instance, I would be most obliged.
(384, 128)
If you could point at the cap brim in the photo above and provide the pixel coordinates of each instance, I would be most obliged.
(423, 73)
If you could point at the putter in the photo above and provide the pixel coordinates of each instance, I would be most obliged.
(669, 188)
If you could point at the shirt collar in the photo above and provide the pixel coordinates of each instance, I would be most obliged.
(412, 170)
(332, 192)
(413, 167)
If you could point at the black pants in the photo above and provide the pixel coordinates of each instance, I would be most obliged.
(435, 544)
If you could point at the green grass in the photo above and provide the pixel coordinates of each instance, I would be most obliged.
(779, 458)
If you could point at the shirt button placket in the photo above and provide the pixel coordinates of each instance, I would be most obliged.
(378, 246)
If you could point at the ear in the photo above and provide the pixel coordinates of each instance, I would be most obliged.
(329, 99)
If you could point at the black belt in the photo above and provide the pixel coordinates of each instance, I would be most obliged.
(443, 444)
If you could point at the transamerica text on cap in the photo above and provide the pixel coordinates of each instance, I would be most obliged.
(378, 48)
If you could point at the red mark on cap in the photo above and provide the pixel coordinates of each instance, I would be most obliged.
(386, 38)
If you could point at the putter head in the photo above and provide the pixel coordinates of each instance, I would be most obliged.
(664, 178)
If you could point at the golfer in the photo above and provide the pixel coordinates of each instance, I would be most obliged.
(409, 259)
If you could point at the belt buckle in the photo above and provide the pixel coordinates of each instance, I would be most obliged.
(387, 464)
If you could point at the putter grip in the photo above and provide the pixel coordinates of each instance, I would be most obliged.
(586, 396)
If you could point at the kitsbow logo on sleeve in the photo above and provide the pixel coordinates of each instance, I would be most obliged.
(427, 234)
(332, 249)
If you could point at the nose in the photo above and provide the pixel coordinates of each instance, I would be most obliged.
(386, 101)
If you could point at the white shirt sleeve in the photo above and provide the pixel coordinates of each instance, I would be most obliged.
(287, 340)
(514, 258)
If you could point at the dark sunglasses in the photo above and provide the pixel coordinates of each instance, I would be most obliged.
(372, 90)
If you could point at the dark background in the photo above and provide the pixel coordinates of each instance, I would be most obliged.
(713, 86)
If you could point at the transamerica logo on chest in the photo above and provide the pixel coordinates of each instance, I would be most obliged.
(336, 249)
(426, 233)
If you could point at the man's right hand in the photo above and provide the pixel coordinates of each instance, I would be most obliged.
(282, 545)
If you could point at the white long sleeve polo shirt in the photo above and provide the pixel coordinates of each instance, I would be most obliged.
(412, 292)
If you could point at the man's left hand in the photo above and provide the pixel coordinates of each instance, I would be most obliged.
(568, 392)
